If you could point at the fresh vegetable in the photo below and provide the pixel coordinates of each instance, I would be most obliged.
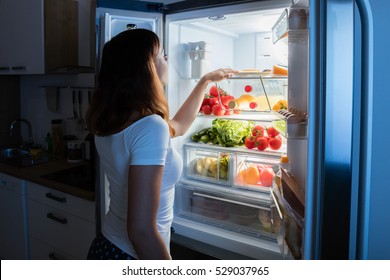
(261, 143)
(280, 125)
(218, 110)
(231, 132)
(248, 88)
(213, 91)
(275, 143)
(206, 109)
(250, 142)
(272, 132)
(197, 136)
(258, 130)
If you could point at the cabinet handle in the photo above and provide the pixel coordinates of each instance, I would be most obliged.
(54, 218)
(18, 67)
(56, 198)
(4, 68)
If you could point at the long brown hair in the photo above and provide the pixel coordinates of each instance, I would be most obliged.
(128, 83)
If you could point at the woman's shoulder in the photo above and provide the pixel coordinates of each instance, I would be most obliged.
(150, 122)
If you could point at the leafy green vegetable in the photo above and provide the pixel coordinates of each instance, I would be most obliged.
(231, 133)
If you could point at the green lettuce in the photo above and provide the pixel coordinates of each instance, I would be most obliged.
(231, 133)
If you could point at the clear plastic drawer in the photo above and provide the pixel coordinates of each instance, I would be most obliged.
(247, 213)
(254, 172)
(207, 164)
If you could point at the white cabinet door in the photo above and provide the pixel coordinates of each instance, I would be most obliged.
(63, 223)
(13, 219)
(22, 47)
(6, 8)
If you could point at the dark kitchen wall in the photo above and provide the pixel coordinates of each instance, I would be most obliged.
(9, 109)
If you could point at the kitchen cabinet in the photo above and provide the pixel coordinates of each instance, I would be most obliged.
(13, 218)
(39, 36)
(61, 226)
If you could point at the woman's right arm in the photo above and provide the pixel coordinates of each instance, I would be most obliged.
(144, 183)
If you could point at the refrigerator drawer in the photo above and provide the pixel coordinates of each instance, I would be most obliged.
(245, 213)
(254, 172)
(207, 165)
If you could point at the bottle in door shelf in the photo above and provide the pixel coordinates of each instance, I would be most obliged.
(284, 163)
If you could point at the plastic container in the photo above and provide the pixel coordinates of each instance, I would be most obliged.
(207, 165)
(254, 172)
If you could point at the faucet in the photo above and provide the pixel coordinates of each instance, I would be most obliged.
(30, 137)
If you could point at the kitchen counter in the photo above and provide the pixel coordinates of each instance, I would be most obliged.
(34, 174)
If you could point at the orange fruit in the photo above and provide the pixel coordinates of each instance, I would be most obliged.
(250, 175)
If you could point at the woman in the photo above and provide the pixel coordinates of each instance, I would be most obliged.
(128, 115)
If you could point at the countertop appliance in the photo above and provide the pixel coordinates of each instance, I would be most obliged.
(332, 77)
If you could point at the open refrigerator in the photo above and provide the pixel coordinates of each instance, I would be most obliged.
(310, 211)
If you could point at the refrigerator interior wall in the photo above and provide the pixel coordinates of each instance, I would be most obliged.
(236, 41)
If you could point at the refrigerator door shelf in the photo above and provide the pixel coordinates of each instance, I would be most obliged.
(246, 215)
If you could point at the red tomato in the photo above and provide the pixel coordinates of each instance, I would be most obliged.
(250, 142)
(206, 101)
(275, 143)
(213, 101)
(258, 130)
(253, 105)
(206, 109)
(214, 91)
(225, 99)
(248, 88)
(261, 143)
(272, 132)
(218, 110)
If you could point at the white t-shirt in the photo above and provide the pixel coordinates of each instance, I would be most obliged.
(145, 142)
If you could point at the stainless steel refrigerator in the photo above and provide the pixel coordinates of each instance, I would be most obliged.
(336, 56)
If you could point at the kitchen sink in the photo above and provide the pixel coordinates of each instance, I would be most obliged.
(13, 152)
(21, 158)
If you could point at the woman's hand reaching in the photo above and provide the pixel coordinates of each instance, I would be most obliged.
(218, 75)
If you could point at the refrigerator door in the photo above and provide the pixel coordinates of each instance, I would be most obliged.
(347, 194)
(370, 230)
(330, 125)
(110, 22)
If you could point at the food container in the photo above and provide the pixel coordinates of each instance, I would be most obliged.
(255, 172)
(75, 151)
(206, 164)
(249, 214)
